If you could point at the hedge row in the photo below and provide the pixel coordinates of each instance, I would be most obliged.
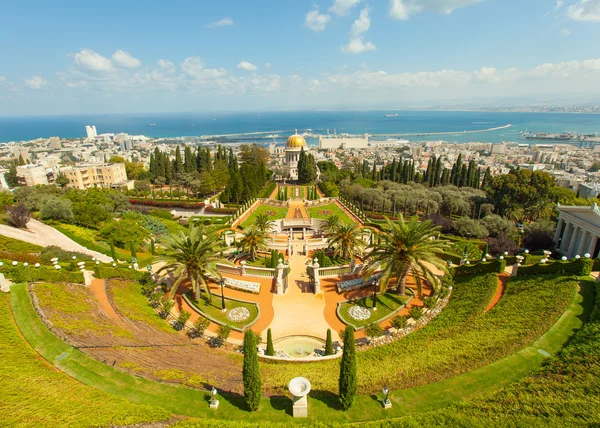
(495, 266)
(579, 267)
(43, 273)
(211, 209)
(267, 190)
(168, 204)
(107, 272)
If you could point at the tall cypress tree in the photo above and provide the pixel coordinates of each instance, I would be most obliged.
(270, 349)
(438, 172)
(251, 372)
(348, 382)
(178, 165)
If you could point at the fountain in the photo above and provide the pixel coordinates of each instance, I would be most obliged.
(298, 346)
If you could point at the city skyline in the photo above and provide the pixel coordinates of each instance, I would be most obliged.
(235, 56)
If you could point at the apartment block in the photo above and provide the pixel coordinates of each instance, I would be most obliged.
(97, 175)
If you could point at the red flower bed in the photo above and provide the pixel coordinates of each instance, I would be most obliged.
(168, 204)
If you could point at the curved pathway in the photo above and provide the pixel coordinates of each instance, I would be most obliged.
(502, 280)
(43, 235)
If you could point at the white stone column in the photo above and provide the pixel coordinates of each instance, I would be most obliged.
(316, 277)
(559, 227)
(592, 246)
(566, 237)
(573, 241)
(279, 282)
(582, 240)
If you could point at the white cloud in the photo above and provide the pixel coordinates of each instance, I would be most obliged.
(244, 65)
(559, 4)
(225, 22)
(193, 68)
(342, 7)
(2, 78)
(268, 65)
(36, 82)
(316, 21)
(565, 33)
(402, 9)
(585, 10)
(166, 65)
(125, 60)
(89, 60)
(357, 45)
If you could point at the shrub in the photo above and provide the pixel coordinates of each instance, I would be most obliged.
(398, 322)
(251, 372)
(348, 382)
(497, 225)
(154, 298)
(373, 330)
(579, 267)
(43, 273)
(56, 208)
(416, 312)
(199, 327)
(168, 204)
(429, 302)
(223, 332)
(442, 221)
(329, 344)
(183, 317)
(324, 260)
(501, 244)
(270, 349)
(495, 266)
(167, 305)
(18, 215)
(539, 235)
(472, 251)
(164, 214)
(48, 253)
(465, 226)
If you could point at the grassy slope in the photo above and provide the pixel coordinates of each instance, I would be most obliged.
(185, 401)
(35, 394)
(72, 310)
(11, 245)
(130, 302)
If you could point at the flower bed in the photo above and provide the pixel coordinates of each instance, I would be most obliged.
(238, 314)
(359, 313)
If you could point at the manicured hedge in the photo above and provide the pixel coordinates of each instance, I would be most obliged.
(580, 267)
(267, 190)
(107, 272)
(214, 210)
(495, 266)
(43, 273)
(168, 204)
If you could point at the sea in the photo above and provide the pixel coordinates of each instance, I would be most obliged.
(423, 125)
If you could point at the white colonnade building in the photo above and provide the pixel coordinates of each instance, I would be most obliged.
(578, 230)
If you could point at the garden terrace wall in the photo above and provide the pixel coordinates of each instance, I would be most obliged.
(496, 266)
(579, 267)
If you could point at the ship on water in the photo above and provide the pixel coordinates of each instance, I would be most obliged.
(391, 115)
(565, 136)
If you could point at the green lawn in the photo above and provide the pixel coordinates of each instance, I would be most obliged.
(10, 245)
(275, 213)
(325, 211)
(132, 304)
(185, 401)
(34, 394)
(71, 310)
(386, 304)
(213, 310)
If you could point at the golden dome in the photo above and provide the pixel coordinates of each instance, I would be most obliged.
(296, 141)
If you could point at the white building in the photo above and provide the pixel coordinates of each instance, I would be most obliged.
(54, 143)
(336, 142)
(91, 132)
(578, 230)
(33, 175)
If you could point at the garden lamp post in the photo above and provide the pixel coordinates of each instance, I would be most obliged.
(222, 284)
(386, 401)
(375, 295)
(214, 403)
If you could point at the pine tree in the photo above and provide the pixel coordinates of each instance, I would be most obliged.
(348, 377)
(251, 372)
(329, 344)
(178, 165)
(270, 349)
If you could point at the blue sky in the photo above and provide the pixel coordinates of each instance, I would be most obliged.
(129, 56)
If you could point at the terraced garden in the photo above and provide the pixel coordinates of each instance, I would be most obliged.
(274, 213)
(324, 211)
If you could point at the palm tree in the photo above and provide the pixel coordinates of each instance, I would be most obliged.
(190, 257)
(540, 209)
(346, 241)
(331, 223)
(263, 223)
(408, 248)
(253, 241)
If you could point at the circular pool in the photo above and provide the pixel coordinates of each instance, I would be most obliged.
(298, 346)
